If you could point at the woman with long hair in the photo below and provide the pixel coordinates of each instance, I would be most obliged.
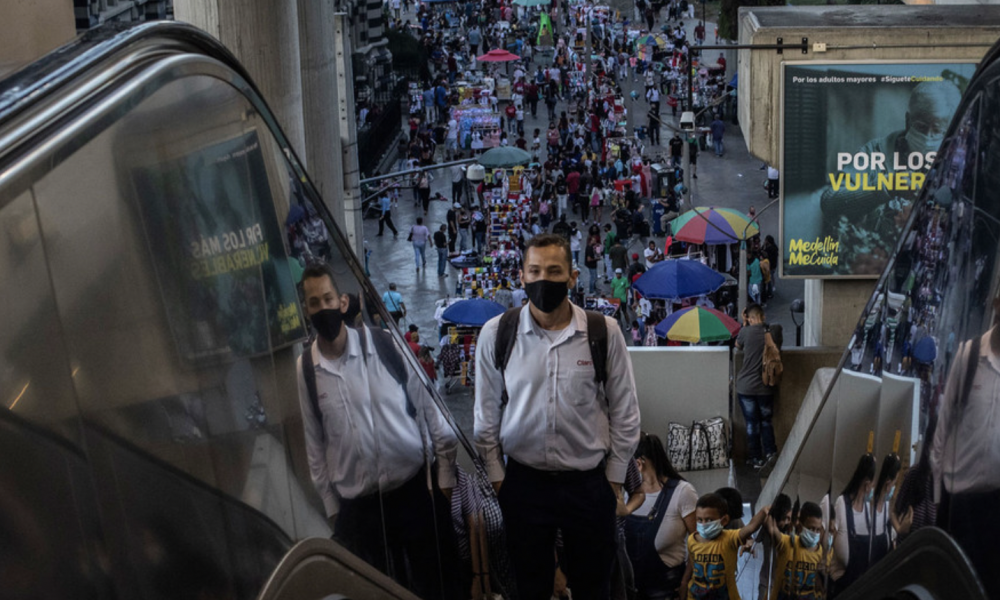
(655, 533)
(859, 533)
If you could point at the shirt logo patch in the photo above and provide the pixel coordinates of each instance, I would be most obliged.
(322, 396)
(584, 363)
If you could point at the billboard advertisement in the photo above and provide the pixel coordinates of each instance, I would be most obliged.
(858, 140)
(219, 252)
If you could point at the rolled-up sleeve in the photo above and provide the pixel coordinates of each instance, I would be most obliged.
(315, 447)
(623, 405)
(488, 411)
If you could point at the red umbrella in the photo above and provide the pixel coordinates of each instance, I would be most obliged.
(498, 55)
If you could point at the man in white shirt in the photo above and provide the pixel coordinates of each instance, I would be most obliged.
(567, 438)
(457, 181)
(367, 455)
(965, 455)
(652, 255)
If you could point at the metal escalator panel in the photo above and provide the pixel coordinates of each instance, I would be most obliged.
(927, 566)
(156, 225)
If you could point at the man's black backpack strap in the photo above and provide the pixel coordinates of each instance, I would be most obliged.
(597, 339)
(309, 374)
(386, 350)
(971, 362)
(504, 345)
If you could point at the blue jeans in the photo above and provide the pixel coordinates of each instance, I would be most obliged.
(757, 412)
(442, 260)
(593, 279)
(418, 254)
(717, 142)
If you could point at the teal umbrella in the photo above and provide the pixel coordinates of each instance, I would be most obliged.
(504, 157)
(533, 2)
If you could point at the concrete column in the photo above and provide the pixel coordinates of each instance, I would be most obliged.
(318, 52)
(833, 308)
(812, 328)
(31, 28)
(348, 131)
(264, 36)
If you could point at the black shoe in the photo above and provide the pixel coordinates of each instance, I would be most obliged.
(694, 177)
(768, 465)
(379, 235)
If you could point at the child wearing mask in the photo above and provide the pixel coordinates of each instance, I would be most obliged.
(712, 550)
(800, 560)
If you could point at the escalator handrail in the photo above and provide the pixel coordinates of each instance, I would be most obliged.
(62, 67)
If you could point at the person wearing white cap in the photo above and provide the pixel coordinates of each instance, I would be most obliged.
(619, 286)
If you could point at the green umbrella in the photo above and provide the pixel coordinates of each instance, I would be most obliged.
(504, 157)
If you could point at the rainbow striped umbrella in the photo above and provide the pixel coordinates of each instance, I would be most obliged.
(710, 225)
(697, 324)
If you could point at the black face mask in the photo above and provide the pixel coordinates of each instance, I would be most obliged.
(546, 295)
(327, 323)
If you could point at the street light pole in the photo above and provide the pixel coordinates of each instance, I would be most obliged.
(742, 303)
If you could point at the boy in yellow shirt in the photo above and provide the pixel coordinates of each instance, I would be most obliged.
(712, 551)
(800, 560)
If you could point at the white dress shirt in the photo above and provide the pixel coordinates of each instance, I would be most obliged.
(965, 456)
(357, 398)
(556, 418)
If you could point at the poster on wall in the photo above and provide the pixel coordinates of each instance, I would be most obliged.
(858, 140)
(218, 251)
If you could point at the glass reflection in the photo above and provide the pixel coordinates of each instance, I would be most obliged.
(929, 338)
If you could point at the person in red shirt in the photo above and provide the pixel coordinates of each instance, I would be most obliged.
(573, 186)
(414, 343)
(427, 362)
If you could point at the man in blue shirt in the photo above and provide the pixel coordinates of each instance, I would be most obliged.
(385, 218)
(393, 301)
(718, 130)
(441, 99)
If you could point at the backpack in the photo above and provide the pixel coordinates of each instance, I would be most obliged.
(597, 339)
(772, 367)
(385, 349)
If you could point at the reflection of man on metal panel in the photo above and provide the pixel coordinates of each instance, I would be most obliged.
(371, 435)
(867, 221)
(965, 457)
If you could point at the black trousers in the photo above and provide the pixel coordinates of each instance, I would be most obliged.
(384, 220)
(405, 534)
(963, 516)
(580, 504)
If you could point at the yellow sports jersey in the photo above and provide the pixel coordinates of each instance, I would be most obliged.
(714, 576)
(783, 553)
(801, 571)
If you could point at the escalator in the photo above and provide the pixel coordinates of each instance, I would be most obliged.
(155, 223)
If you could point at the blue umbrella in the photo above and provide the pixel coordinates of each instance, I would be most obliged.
(926, 350)
(676, 279)
(472, 313)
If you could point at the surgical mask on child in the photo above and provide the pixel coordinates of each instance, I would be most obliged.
(809, 538)
(710, 530)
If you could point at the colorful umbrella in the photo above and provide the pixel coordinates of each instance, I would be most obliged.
(677, 279)
(498, 55)
(650, 40)
(697, 324)
(472, 313)
(710, 225)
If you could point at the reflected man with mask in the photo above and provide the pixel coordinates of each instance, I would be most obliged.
(867, 222)
(567, 438)
(365, 418)
(965, 456)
